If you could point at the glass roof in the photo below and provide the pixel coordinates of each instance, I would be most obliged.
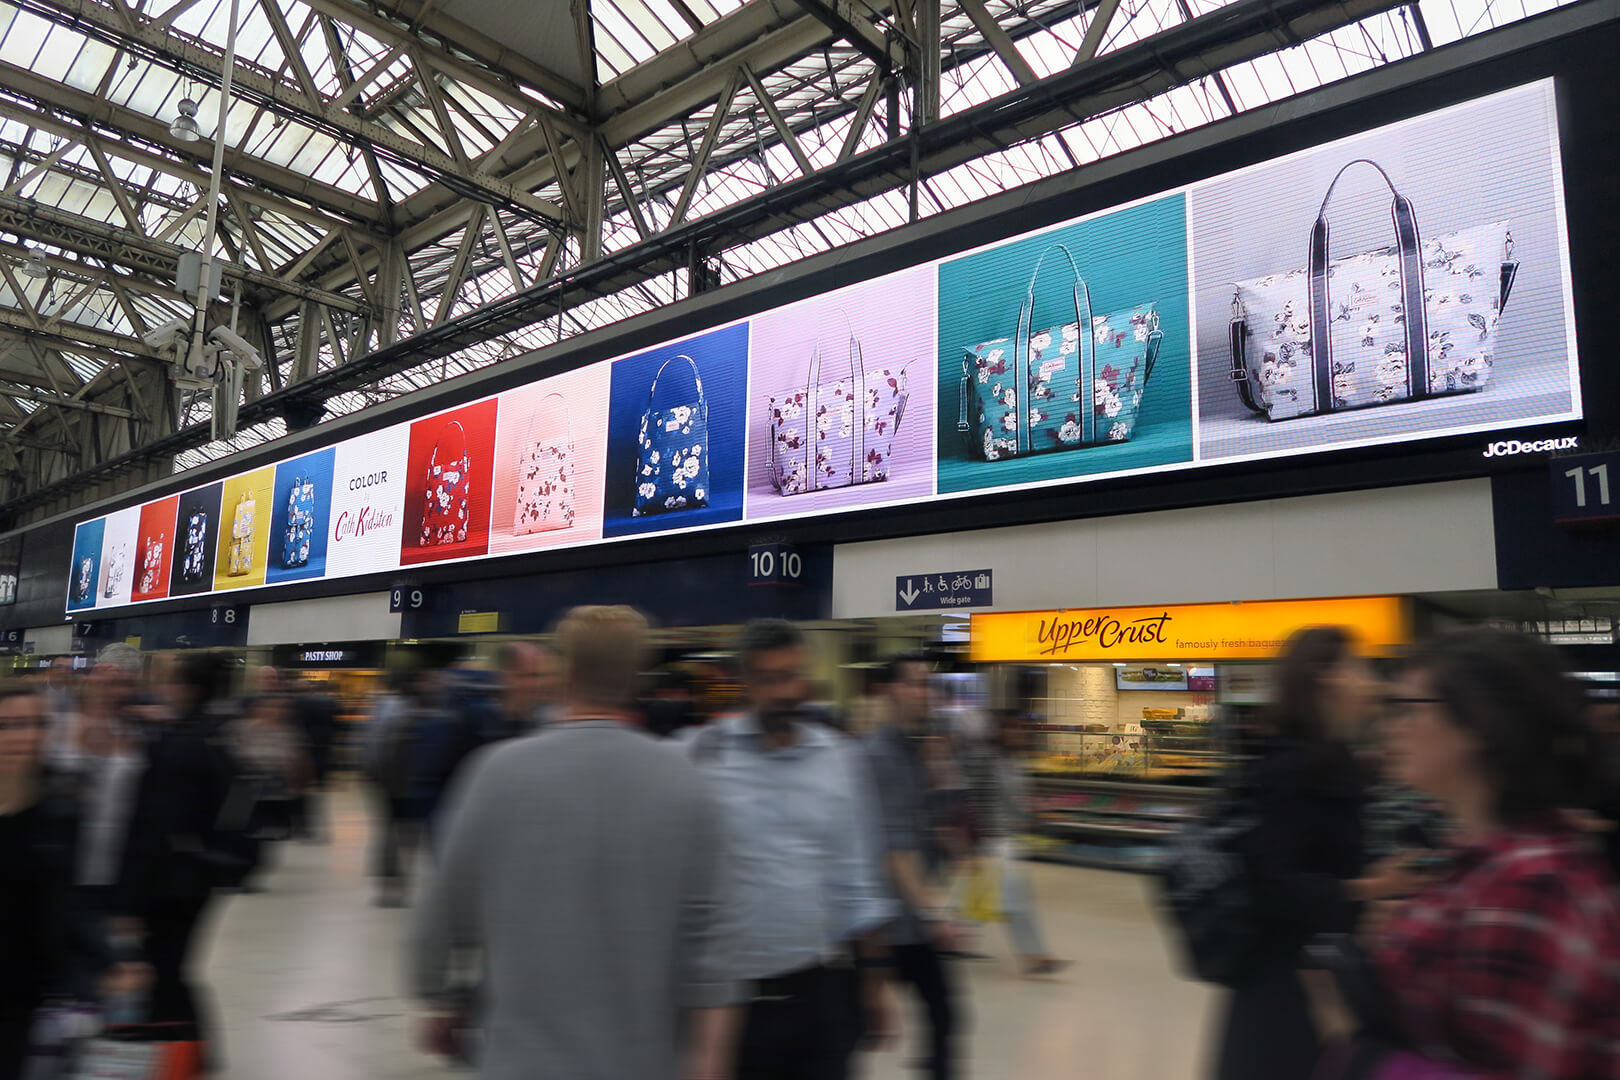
(86, 100)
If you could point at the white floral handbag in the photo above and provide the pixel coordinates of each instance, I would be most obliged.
(1058, 388)
(1401, 323)
(672, 465)
(835, 434)
(545, 493)
(114, 563)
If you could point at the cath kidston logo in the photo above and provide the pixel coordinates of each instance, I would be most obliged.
(358, 523)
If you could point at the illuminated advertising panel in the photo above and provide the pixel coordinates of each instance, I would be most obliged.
(1408, 282)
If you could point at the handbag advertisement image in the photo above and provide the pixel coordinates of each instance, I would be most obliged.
(1074, 383)
(672, 470)
(243, 527)
(449, 468)
(551, 447)
(300, 500)
(545, 491)
(154, 549)
(199, 545)
(300, 527)
(835, 433)
(1410, 281)
(676, 434)
(88, 541)
(842, 398)
(1067, 353)
(1399, 323)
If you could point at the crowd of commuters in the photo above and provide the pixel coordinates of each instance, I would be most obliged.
(1429, 884)
(617, 885)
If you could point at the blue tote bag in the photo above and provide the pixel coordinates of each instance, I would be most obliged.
(672, 465)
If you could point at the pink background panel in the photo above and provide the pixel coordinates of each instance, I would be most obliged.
(586, 392)
(893, 318)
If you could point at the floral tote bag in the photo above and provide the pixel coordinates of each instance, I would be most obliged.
(113, 568)
(835, 434)
(196, 560)
(1063, 386)
(1413, 320)
(446, 487)
(243, 527)
(300, 528)
(672, 467)
(152, 563)
(545, 494)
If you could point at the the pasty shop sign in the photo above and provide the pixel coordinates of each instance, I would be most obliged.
(1247, 631)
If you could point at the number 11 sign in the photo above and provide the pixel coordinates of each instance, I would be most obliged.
(1586, 488)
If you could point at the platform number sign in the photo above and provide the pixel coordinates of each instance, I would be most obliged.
(1586, 487)
(775, 564)
(227, 618)
(406, 598)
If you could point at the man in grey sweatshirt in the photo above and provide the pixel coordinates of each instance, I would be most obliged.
(583, 873)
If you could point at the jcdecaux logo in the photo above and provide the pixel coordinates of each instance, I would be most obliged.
(1510, 447)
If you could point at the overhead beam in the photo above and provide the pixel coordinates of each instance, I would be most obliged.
(499, 69)
(90, 110)
(249, 83)
(850, 23)
(143, 254)
(998, 40)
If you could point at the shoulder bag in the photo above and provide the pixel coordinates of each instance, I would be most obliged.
(545, 493)
(242, 532)
(1071, 384)
(446, 488)
(835, 434)
(300, 528)
(1401, 323)
(672, 467)
(196, 560)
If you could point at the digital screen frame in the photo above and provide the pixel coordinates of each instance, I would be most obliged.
(1407, 283)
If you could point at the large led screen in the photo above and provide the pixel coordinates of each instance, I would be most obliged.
(1405, 283)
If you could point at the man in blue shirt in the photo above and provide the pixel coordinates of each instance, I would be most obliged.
(802, 833)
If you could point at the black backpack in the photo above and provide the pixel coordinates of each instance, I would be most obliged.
(1206, 891)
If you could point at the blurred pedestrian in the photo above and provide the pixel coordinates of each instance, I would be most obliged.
(410, 751)
(1304, 857)
(179, 845)
(1007, 816)
(62, 714)
(799, 814)
(40, 925)
(1509, 965)
(315, 718)
(111, 760)
(273, 760)
(586, 869)
(901, 751)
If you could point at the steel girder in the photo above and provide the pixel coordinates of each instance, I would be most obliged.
(1240, 31)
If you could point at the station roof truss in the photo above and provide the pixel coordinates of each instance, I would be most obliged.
(415, 189)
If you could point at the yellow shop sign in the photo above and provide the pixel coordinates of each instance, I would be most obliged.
(1247, 631)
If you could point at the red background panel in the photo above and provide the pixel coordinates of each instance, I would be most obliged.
(157, 519)
(478, 421)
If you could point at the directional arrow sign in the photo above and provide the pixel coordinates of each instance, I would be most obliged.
(943, 591)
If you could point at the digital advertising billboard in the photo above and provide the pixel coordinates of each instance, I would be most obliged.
(1408, 282)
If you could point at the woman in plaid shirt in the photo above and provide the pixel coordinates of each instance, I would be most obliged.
(1510, 965)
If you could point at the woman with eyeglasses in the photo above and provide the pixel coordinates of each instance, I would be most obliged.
(1510, 965)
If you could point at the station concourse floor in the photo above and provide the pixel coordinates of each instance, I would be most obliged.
(306, 980)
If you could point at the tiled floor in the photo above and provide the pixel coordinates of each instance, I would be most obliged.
(307, 975)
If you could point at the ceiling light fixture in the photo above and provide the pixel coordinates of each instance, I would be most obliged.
(185, 126)
(34, 265)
